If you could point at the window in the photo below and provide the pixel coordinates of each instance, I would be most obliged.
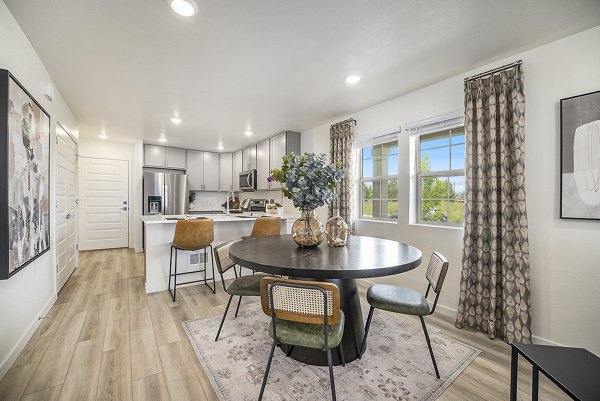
(379, 181)
(441, 177)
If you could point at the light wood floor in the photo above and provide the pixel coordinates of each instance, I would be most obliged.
(108, 340)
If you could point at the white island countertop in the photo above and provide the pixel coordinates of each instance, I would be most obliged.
(216, 217)
(159, 232)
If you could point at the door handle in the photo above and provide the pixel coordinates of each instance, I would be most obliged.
(67, 216)
(125, 208)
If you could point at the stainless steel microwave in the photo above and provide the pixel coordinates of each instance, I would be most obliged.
(248, 180)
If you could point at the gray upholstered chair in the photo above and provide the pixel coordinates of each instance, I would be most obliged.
(303, 313)
(408, 301)
(242, 286)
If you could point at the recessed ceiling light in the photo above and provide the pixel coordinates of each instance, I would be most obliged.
(176, 120)
(103, 136)
(220, 147)
(248, 133)
(162, 139)
(185, 8)
(352, 79)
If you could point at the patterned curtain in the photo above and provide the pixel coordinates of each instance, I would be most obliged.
(494, 287)
(341, 143)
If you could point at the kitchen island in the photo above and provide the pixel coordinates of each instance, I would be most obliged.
(158, 234)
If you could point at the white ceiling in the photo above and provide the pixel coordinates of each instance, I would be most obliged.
(127, 66)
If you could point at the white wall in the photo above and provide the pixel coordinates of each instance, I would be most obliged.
(32, 291)
(564, 255)
(105, 149)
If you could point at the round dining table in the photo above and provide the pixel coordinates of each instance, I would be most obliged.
(362, 257)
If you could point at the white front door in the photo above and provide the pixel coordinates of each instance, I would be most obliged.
(66, 206)
(104, 203)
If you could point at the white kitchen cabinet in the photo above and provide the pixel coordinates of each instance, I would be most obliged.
(281, 145)
(175, 158)
(249, 158)
(238, 167)
(154, 156)
(211, 171)
(195, 170)
(226, 172)
(262, 165)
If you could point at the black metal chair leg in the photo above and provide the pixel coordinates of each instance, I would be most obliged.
(264, 383)
(170, 269)
(329, 362)
(224, 316)
(367, 326)
(175, 277)
(437, 374)
(212, 260)
(238, 307)
(340, 349)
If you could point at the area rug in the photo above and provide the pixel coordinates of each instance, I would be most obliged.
(396, 365)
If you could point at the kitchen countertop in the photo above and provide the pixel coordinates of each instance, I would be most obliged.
(233, 217)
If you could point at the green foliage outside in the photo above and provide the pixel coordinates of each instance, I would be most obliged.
(435, 192)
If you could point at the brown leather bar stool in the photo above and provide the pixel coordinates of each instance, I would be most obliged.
(192, 236)
(264, 227)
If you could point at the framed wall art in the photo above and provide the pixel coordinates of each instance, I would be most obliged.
(24, 177)
(580, 157)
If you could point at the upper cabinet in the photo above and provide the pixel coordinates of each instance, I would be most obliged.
(262, 165)
(202, 170)
(238, 167)
(226, 172)
(249, 158)
(281, 145)
(164, 157)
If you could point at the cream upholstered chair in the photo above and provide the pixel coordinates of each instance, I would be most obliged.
(408, 301)
(242, 286)
(303, 313)
(191, 235)
(265, 226)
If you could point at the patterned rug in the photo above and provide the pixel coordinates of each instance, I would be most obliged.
(396, 365)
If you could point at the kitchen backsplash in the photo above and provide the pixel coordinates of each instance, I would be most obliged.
(209, 201)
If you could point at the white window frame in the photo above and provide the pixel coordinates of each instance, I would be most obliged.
(435, 174)
(380, 138)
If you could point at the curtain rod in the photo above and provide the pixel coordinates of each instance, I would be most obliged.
(490, 72)
(343, 122)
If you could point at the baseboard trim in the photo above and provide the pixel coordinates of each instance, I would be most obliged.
(18, 348)
(543, 341)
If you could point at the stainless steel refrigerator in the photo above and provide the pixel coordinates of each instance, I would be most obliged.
(165, 193)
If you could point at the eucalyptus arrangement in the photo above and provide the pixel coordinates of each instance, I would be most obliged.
(310, 182)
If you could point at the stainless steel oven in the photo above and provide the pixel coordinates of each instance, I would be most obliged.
(248, 180)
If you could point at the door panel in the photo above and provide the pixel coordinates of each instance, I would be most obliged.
(211, 171)
(262, 165)
(66, 206)
(195, 170)
(104, 189)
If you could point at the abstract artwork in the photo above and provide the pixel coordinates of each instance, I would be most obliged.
(24, 177)
(580, 157)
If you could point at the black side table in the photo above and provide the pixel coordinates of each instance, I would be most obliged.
(576, 371)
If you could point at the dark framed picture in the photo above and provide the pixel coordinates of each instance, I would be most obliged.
(24, 177)
(580, 157)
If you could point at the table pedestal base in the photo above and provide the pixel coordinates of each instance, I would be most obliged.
(354, 328)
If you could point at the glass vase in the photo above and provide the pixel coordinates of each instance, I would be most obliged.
(308, 231)
(336, 230)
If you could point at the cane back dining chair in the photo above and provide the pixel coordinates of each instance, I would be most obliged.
(408, 301)
(191, 236)
(303, 313)
(264, 227)
(242, 286)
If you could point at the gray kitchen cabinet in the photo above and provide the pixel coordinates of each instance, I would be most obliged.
(195, 170)
(175, 158)
(238, 167)
(211, 171)
(154, 156)
(226, 172)
(281, 145)
(249, 158)
(262, 165)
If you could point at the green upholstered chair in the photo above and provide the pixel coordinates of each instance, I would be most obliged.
(408, 301)
(303, 313)
(242, 286)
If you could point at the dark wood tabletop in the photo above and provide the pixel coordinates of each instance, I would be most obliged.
(362, 257)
